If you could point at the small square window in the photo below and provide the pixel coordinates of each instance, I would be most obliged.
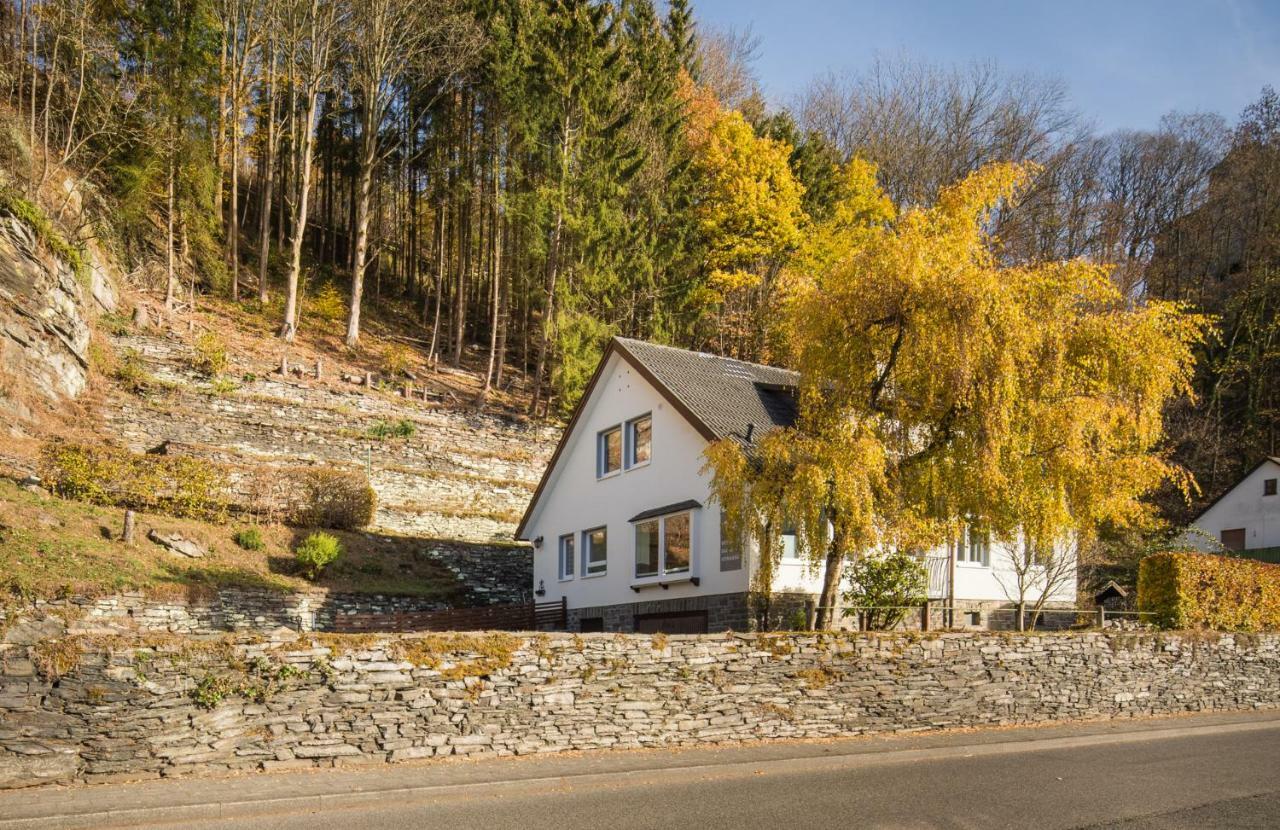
(639, 440)
(609, 452)
(566, 556)
(595, 551)
(1269, 487)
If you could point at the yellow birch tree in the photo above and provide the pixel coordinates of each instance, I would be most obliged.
(941, 385)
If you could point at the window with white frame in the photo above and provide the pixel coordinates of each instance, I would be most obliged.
(595, 551)
(639, 441)
(608, 452)
(566, 556)
(790, 552)
(972, 546)
(664, 545)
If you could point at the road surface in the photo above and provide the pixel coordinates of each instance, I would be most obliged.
(1201, 771)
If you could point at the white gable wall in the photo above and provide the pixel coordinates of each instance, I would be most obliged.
(574, 500)
(1243, 506)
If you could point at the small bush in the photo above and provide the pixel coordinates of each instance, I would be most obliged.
(328, 304)
(131, 373)
(886, 584)
(222, 386)
(1200, 590)
(316, 552)
(382, 430)
(250, 538)
(314, 497)
(397, 361)
(210, 355)
(177, 485)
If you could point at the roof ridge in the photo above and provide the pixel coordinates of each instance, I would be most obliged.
(626, 340)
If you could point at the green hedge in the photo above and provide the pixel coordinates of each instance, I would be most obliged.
(1200, 590)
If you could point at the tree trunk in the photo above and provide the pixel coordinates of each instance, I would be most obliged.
(831, 575)
(364, 181)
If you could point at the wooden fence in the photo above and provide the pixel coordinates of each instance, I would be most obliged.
(522, 616)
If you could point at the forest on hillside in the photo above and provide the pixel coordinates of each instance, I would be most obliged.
(525, 178)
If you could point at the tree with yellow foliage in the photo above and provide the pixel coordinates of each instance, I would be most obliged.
(748, 215)
(941, 386)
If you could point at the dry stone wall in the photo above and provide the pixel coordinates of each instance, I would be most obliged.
(462, 475)
(93, 710)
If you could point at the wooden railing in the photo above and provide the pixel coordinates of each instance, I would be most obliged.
(522, 616)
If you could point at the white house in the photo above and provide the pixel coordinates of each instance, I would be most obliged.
(623, 524)
(1245, 518)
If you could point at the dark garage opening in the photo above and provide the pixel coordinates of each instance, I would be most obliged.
(674, 622)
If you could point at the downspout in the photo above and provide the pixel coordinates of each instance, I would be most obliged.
(949, 618)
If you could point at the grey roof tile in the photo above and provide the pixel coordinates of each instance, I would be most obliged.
(728, 396)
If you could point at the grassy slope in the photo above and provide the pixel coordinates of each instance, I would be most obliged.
(51, 547)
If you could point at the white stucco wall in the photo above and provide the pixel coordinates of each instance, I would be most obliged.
(575, 500)
(1244, 506)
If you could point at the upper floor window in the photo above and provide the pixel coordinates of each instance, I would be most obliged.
(639, 440)
(595, 551)
(1269, 487)
(609, 452)
(566, 556)
(972, 546)
(664, 545)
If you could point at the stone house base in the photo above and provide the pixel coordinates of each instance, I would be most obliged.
(743, 611)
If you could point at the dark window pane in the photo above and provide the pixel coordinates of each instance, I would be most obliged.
(566, 556)
(640, 439)
(730, 549)
(597, 552)
(610, 451)
(647, 548)
(676, 540)
(1269, 487)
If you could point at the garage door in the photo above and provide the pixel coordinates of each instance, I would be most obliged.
(677, 622)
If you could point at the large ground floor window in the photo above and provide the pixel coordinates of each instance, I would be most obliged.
(664, 545)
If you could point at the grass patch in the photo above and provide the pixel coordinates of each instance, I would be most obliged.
(52, 548)
(382, 430)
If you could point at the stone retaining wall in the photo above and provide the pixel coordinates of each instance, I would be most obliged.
(181, 706)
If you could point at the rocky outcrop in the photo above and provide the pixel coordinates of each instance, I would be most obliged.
(44, 330)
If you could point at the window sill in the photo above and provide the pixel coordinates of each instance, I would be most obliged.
(639, 466)
(973, 566)
(613, 474)
(565, 579)
(665, 582)
(593, 576)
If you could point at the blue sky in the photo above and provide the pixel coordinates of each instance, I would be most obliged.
(1126, 62)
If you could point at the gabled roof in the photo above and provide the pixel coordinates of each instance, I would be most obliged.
(719, 396)
(1273, 459)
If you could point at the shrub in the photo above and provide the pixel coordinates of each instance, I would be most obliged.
(328, 304)
(100, 474)
(222, 386)
(316, 552)
(1200, 590)
(250, 538)
(886, 585)
(314, 497)
(210, 355)
(397, 361)
(130, 373)
(403, 428)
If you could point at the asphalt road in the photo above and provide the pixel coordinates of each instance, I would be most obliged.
(1180, 773)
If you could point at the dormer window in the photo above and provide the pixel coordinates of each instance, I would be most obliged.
(609, 452)
(639, 441)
